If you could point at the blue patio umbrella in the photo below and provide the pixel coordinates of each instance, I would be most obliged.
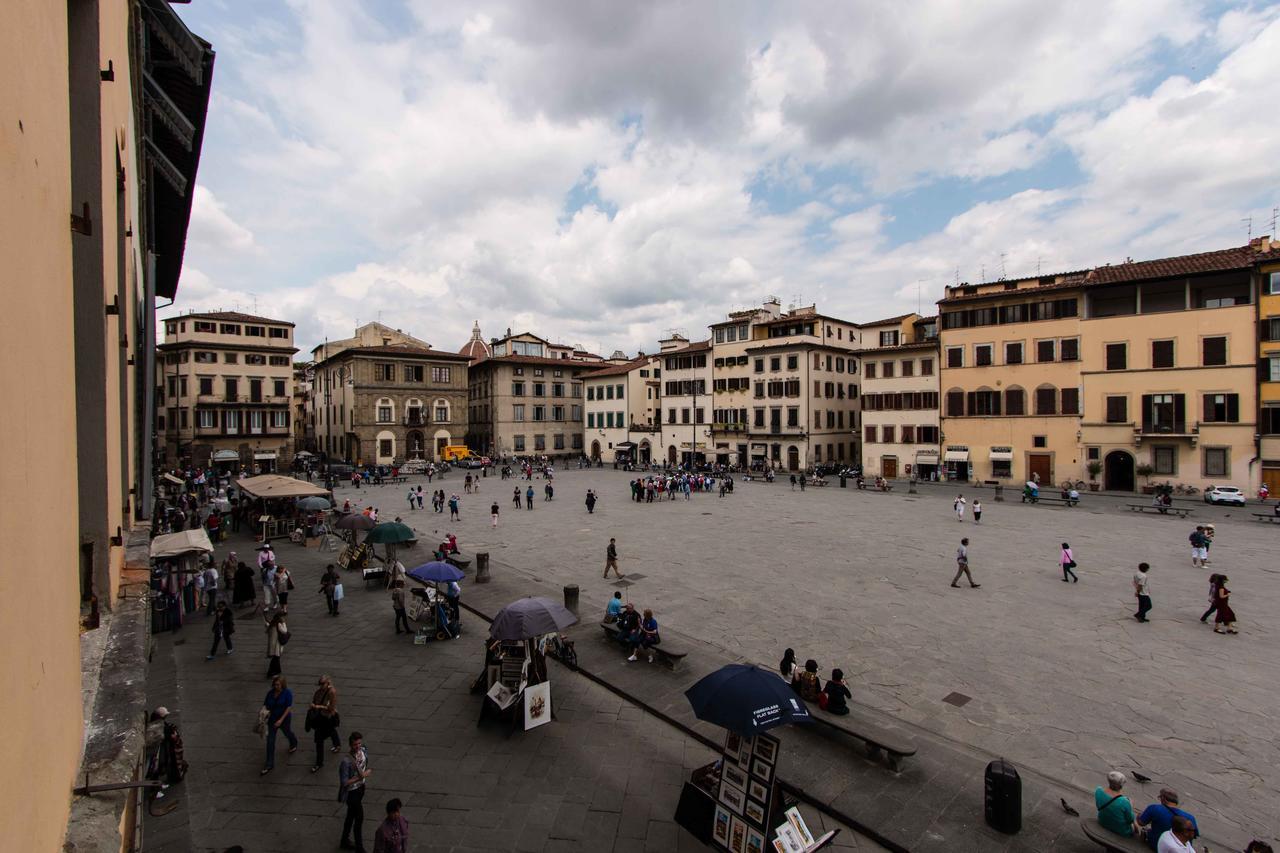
(436, 572)
(746, 699)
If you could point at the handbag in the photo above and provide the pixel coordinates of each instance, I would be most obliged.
(260, 727)
(1071, 564)
(288, 582)
(310, 722)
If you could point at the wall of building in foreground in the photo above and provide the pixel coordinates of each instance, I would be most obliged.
(40, 704)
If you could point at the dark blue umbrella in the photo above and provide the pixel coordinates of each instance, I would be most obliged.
(436, 572)
(746, 699)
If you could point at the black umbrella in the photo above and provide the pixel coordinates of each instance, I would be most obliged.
(530, 617)
(746, 699)
(355, 521)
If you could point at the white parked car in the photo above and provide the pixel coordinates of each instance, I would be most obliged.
(1224, 495)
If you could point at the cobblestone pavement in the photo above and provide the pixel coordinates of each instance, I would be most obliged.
(1059, 677)
(603, 776)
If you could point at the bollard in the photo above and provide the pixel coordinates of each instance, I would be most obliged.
(571, 598)
(482, 567)
(999, 493)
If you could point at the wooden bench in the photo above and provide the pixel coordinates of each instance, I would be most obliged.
(667, 656)
(1054, 499)
(893, 745)
(1266, 516)
(460, 560)
(1179, 511)
(399, 478)
(1108, 840)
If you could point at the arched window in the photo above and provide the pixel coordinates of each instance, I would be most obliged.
(440, 409)
(1046, 400)
(1015, 401)
(984, 401)
(385, 411)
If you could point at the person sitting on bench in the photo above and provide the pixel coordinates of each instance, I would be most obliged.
(809, 684)
(628, 623)
(615, 607)
(1115, 813)
(647, 637)
(837, 693)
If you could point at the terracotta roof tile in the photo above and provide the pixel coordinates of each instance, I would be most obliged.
(619, 369)
(400, 350)
(1223, 260)
(233, 316)
(897, 319)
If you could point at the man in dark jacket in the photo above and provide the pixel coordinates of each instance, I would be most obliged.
(224, 626)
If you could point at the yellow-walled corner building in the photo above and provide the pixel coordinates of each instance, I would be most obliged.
(1269, 373)
(103, 113)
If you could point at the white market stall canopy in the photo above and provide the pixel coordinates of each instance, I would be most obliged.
(172, 479)
(279, 486)
(176, 544)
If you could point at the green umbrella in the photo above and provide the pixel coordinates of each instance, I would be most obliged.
(391, 533)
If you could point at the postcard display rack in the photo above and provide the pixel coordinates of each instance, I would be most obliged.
(518, 684)
(750, 815)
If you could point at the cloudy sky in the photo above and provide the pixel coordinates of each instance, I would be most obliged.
(602, 172)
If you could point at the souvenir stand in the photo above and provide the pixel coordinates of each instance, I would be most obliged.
(514, 682)
(175, 559)
(735, 803)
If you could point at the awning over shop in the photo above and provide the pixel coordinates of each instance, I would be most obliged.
(625, 445)
(279, 486)
(1001, 454)
(265, 454)
(927, 457)
(169, 478)
(957, 455)
(177, 544)
(225, 456)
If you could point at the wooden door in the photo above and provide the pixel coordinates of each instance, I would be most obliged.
(1271, 478)
(1042, 464)
(889, 467)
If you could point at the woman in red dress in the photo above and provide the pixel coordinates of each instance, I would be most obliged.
(1226, 616)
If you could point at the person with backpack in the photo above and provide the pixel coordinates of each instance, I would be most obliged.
(808, 684)
(277, 639)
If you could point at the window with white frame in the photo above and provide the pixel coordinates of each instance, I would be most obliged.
(279, 419)
(442, 411)
(206, 419)
(385, 411)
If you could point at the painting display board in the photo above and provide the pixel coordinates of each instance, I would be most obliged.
(747, 803)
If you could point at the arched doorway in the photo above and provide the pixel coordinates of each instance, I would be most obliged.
(1118, 471)
(671, 454)
(645, 452)
(793, 458)
(595, 451)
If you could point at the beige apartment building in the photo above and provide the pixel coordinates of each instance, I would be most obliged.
(731, 382)
(804, 389)
(1170, 369)
(525, 398)
(373, 334)
(96, 191)
(1010, 381)
(686, 399)
(387, 404)
(900, 416)
(224, 382)
(304, 433)
(622, 410)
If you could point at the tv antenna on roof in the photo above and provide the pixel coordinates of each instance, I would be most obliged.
(1003, 255)
(1275, 213)
(1249, 225)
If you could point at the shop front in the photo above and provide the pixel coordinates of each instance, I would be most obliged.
(956, 460)
(225, 461)
(265, 461)
(926, 465)
(1001, 463)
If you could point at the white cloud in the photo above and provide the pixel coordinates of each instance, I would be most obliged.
(422, 167)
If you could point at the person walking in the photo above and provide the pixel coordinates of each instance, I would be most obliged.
(1214, 581)
(528, 498)
(958, 506)
(279, 707)
(322, 719)
(977, 512)
(329, 583)
(548, 492)
(962, 565)
(269, 600)
(224, 625)
(493, 513)
(453, 507)
(1142, 590)
(515, 497)
(243, 590)
(1068, 562)
(418, 495)
(210, 576)
(611, 559)
(397, 603)
(393, 833)
(277, 637)
(284, 583)
(353, 770)
(591, 501)
(802, 481)
(1226, 616)
(413, 499)
(793, 482)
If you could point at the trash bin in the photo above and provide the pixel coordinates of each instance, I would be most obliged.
(482, 567)
(571, 598)
(1003, 797)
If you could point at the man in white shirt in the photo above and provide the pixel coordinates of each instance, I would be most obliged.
(962, 565)
(1142, 591)
(1178, 839)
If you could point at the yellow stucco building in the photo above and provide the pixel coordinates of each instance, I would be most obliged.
(104, 113)
(1269, 374)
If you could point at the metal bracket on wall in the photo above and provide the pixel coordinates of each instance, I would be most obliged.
(109, 75)
(118, 540)
(113, 309)
(83, 224)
